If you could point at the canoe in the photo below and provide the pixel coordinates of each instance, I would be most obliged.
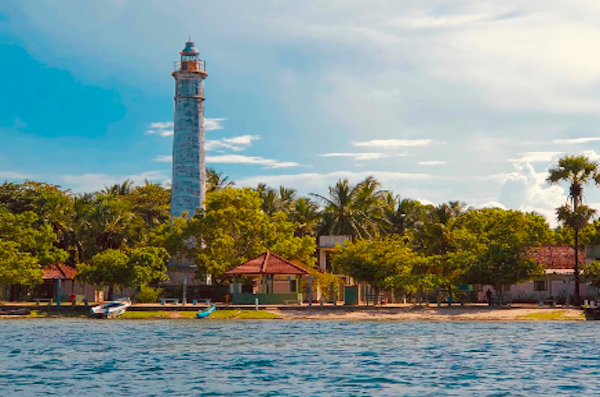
(206, 313)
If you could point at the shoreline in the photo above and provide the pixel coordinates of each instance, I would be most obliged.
(334, 313)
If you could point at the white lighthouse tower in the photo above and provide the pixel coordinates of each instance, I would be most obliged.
(188, 184)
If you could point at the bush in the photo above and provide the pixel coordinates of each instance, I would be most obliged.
(148, 294)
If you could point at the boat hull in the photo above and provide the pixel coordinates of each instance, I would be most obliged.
(111, 309)
(206, 313)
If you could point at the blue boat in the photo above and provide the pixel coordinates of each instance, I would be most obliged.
(206, 313)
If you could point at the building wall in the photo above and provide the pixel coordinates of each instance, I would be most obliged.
(557, 288)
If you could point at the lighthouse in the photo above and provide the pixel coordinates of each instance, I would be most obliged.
(188, 183)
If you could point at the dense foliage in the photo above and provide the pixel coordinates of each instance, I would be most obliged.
(122, 236)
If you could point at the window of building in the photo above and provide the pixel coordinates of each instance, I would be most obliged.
(292, 285)
(539, 286)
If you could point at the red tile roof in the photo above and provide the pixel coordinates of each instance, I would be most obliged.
(62, 271)
(560, 256)
(266, 263)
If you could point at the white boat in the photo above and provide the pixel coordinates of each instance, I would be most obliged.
(111, 309)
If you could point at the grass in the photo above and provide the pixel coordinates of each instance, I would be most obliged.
(45, 314)
(553, 315)
(217, 315)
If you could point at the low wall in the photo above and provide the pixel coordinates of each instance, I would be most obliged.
(265, 299)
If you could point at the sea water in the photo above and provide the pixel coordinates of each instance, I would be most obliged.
(60, 357)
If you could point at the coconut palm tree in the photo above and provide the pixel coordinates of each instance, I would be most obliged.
(306, 214)
(577, 171)
(357, 210)
(119, 189)
(436, 235)
(269, 198)
(216, 181)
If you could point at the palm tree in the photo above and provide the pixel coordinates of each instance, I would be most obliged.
(216, 181)
(306, 214)
(119, 189)
(104, 222)
(269, 198)
(437, 236)
(357, 210)
(577, 171)
(151, 202)
(286, 199)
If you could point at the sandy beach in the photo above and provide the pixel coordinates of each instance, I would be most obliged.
(436, 314)
(524, 312)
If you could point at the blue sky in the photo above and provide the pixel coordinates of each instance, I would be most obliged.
(468, 100)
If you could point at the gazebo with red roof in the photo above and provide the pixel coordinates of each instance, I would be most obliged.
(277, 280)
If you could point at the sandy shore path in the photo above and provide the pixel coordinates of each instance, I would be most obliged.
(436, 314)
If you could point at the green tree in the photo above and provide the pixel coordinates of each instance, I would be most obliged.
(497, 244)
(306, 215)
(149, 264)
(217, 181)
(17, 267)
(577, 171)
(105, 222)
(234, 228)
(435, 237)
(119, 189)
(151, 202)
(382, 263)
(591, 273)
(109, 268)
(114, 268)
(52, 205)
(29, 236)
(357, 210)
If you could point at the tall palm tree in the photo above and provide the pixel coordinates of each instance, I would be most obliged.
(353, 210)
(577, 171)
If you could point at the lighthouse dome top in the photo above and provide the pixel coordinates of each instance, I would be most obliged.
(190, 48)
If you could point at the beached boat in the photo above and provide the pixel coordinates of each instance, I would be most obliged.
(207, 312)
(111, 309)
(15, 312)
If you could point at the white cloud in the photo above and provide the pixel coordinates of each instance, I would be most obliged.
(162, 128)
(213, 124)
(433, 22)
(363, 156)
(94, 182)
(239, 159)
(237, 143)
(575, 140)
(387, 143)
(527, 190)
(165, 128)
(318, 182)
(432, 162)
(535, 157)
(164, 159)
(13, 175)
(591, 154)
(492, 204)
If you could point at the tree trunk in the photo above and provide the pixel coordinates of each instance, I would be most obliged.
(576, 269)
(576, 266)
(110, 292)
